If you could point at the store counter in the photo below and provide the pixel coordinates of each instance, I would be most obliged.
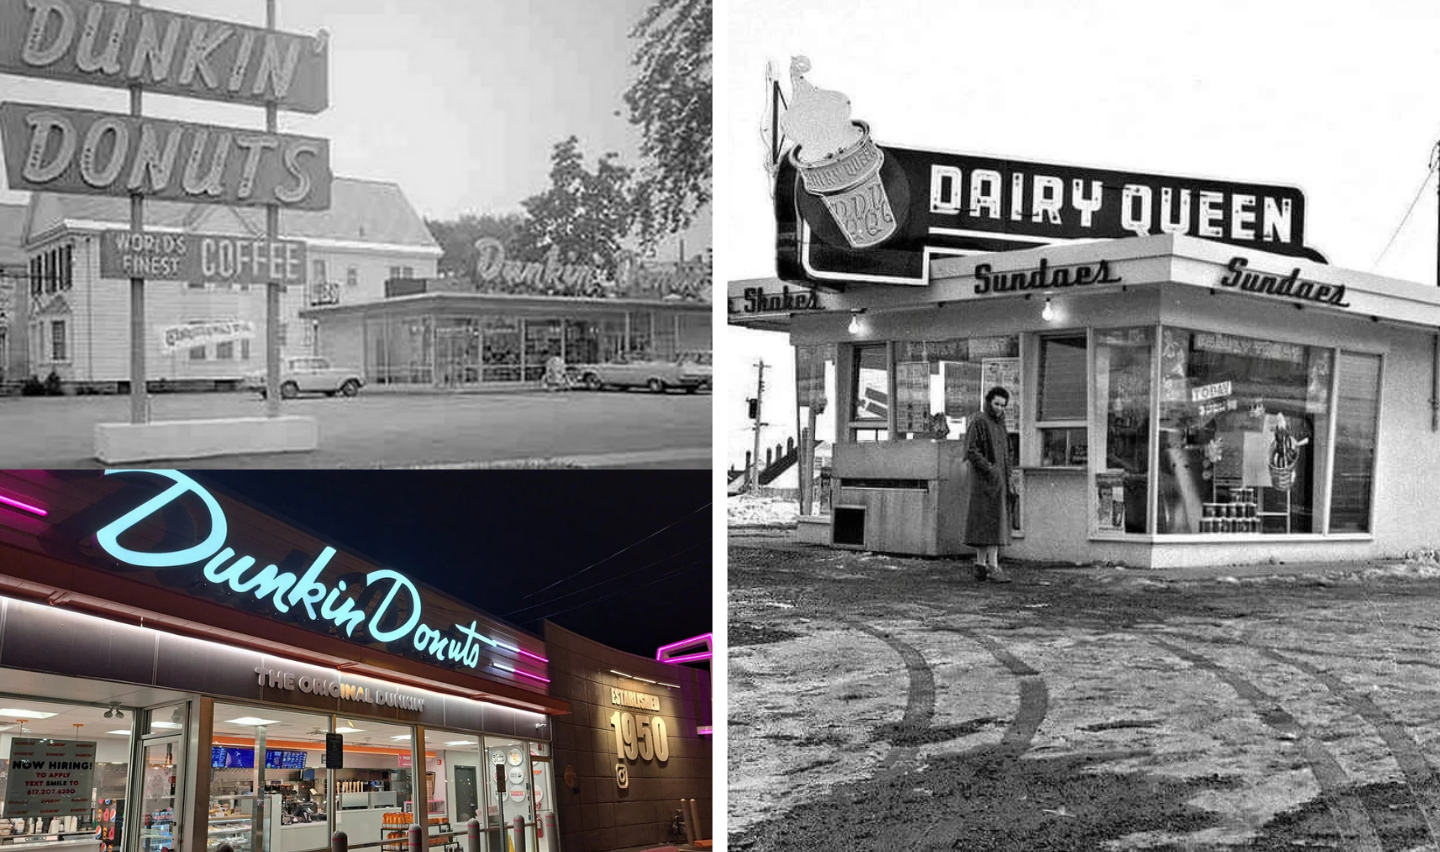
(301, 836)
(361, 826)
(901, 496)
(67, 843)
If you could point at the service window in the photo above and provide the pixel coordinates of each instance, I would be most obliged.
(1060, 402)
(1242, 433)
(869, 393)
(941, 384)
(1356, 420)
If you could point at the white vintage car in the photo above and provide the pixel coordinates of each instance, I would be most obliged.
(687, 372)
(310, 374)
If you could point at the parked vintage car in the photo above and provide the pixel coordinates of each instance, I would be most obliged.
(310, 374)
(685, 372)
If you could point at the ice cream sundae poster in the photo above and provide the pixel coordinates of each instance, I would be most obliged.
(848, 208)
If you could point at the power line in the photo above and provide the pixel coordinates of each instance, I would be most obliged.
(607, 580)
(613, 555)
(626, 590)
(1406, 218)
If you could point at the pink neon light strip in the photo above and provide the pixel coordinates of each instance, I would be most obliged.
(521, 652)
(705, 730)
(662, 653)
(689, 658)
(520, 673)
(25, 506)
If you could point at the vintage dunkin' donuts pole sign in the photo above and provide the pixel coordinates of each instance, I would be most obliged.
(848, 209)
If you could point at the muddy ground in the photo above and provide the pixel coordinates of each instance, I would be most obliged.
(879, 702)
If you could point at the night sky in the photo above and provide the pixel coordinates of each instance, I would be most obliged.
(620, 557)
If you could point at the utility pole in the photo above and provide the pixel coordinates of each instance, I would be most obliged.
(759, 403)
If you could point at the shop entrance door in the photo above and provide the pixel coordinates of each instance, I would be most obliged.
(162, 790)
(467, 798)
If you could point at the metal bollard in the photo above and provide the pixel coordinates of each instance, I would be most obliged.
(339, 842)
(519, 834)
(472, 835)
(551, 832)
(694, 817)
(690, 837)
(417, 838)
(226, 847)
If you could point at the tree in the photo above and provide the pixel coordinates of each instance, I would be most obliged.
(670, 100)
(583, 214)
(457, 238)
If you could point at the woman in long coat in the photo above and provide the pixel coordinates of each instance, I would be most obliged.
(987, 523)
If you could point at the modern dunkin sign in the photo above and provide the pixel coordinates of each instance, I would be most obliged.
(850, 210)
(65, 150)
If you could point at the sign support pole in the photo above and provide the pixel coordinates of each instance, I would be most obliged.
(272, 288)
(139, 393)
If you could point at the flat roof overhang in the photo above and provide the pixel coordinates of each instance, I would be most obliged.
(1139, 262)
(39, 577)
(462, 303)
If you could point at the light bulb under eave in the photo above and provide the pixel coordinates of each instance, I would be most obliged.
(854, 324)
(1048, 312)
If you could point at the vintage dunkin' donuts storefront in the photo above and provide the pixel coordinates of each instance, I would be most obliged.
(179, 670)
(1175, 400)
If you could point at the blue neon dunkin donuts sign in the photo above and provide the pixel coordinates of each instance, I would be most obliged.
(330, 607)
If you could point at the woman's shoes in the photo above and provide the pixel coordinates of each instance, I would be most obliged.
(980, 571)
(998, 575)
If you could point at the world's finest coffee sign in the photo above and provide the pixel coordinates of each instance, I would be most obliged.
(850, 210)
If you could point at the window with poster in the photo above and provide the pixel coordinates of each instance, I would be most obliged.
(1243, 432)
(1121, 462)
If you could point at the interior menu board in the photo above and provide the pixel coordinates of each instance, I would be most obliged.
(49, 778)
(244, 758)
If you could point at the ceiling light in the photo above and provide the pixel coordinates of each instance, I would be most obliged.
(164, 725)
(121, 733)
(249, 720)
(854, 323)
(405, 737)
(348, 730)
(1048, 313)
(27, 715)
(461, 742)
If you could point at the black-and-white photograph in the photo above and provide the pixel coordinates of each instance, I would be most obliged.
(1080, 388)
(323, 234)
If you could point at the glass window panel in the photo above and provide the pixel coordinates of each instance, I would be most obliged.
(1062, 378)
(1356, 418)
(510, 787)
(500, 349)
(98, 813)
(1242, 424)
(295, 789)
(869, 387)
(1123, 363)
(814, 391)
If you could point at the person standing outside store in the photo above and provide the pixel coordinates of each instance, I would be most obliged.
(987, 523)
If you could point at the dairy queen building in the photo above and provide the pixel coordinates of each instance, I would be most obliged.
(1190, 382)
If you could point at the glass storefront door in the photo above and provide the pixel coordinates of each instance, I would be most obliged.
(161, 793)
(457, 352)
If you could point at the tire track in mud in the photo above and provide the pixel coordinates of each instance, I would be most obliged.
(1421, 780)
(1352, 820)
(1034, 694)
(919, 699)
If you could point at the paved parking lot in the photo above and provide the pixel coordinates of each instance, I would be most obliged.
(376, 428)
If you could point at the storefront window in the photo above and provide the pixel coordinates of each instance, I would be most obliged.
(814, 391)
(1122, 399)
(1060, 408)
(640, 335)
(1356, 418)
(500, 342)
(95, 813)
(695, 332)
(543, 338)
(409, 348)
(941, 384)
(543, 772)
(869, 384)
(454, 781)
(510, 779)
(282, 755)
(1242, 429)
(457, 351)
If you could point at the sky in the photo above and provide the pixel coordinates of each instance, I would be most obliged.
(1340, 101)
(636, 546)
(458, 103)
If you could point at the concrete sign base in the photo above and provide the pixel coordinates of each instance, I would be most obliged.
(121, 443)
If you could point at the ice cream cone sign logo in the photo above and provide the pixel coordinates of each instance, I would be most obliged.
(838, 161)
(1284, 453)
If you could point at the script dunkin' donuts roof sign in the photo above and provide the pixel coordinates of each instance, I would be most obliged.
(850, 209)
(163, 529)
